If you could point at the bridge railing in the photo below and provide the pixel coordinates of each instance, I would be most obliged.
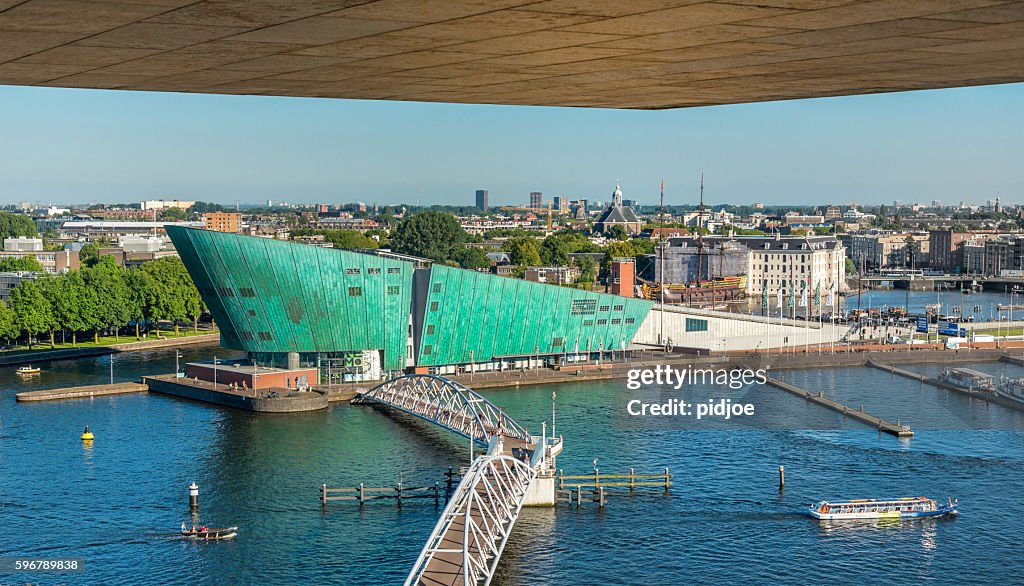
(466, 544)
(447, 403)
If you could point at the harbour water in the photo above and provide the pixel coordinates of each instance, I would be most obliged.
(118, 503)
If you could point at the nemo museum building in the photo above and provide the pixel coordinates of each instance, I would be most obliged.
(360, 316)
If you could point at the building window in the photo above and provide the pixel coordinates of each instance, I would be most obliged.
(392, 289)
(427, 349)
(252, 312)
(437, 288)
(247, 336)
(265, 336)
(617, 308)
(583, 307)
(558, 342)
(355, 291)
(696, 325)
(430, 330)
(246, 292)
(373, 271)
(630, 320)
(603, 308)
(602, 322)
(616, 321)
(394, 270)
(588, 322)
(351, 271)
(433, 306)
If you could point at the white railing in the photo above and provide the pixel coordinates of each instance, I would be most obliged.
(466, 544)
(446, 403)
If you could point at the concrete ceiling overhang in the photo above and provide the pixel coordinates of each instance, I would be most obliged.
(594, 53)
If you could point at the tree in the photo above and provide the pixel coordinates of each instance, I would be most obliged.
(588, 270)
(173, 215)
(25, 263)
(617, 249)
(67, 298)
(105, 283)
(471, 258)
(171, 294)
(15, 225)
(7, 328)
(616, 232)
(850, 267)
(433, 235)
(32, 314)
(89, 255)
(523, 251)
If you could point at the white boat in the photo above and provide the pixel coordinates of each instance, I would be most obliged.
(882, 509)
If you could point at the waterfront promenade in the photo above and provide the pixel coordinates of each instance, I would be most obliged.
(40, 355)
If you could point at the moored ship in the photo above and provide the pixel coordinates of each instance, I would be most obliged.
(882, 509)
(967, 378)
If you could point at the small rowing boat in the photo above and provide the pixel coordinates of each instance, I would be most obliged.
(29, 369)
(211, 534)
(882, 509)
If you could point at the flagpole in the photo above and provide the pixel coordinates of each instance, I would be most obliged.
(661, 285)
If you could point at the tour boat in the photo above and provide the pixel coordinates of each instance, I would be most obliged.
(29, 369)
(882, 509)
(211, 534)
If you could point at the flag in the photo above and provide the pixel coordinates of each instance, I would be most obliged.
(817, 294)
(764, 295)
(663, 184)
(780, 295)
(803, 295)
(831, 296)
(792, 294)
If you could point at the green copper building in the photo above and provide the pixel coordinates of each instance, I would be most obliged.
(355, 314)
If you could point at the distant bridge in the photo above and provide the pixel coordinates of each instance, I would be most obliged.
(466, 544)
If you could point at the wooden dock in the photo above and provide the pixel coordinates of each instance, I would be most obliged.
(987, 396)
(895, 429)
(83, 392)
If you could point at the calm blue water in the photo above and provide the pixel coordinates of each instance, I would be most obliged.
(116, 503)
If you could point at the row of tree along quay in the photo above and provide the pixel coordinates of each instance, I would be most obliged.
(101, 299)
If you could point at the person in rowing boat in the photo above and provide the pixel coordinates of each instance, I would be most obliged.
(184, 529)
(202, 529)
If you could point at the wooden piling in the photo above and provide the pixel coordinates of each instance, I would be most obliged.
(782, 477)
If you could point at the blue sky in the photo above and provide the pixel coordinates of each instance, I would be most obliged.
(64, 145)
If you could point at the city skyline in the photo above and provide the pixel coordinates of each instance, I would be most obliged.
(130, 146)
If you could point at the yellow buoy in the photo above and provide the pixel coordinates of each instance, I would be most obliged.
(87, 435)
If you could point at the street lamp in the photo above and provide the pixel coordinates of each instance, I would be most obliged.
(536, 358)
(215, 372)
(472, 366)
(177, 368)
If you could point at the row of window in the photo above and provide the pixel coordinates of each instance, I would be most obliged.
(263, 336)
(372, 271)
(696, 325)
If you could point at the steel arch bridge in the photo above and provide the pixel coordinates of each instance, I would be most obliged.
(446, 403)
(466, 544)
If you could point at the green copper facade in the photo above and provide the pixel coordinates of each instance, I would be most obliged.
(270, 296)
(275, 297)
(502, 317)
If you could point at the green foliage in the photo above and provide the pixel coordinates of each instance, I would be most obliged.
(617, 249)
(25, 263)
(726, 229)
(850, 267)
(433, 235)
(70, 302)
(588, 270)
(14, 225)
(89, 255)
(173, 215)
(170, 293)
(7, 328)
(617, 233)
(523, 251)
(32, 311)
(471, 257)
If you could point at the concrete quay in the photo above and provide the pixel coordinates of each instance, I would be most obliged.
(82, 392)
(286, 401)
(41, 356)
